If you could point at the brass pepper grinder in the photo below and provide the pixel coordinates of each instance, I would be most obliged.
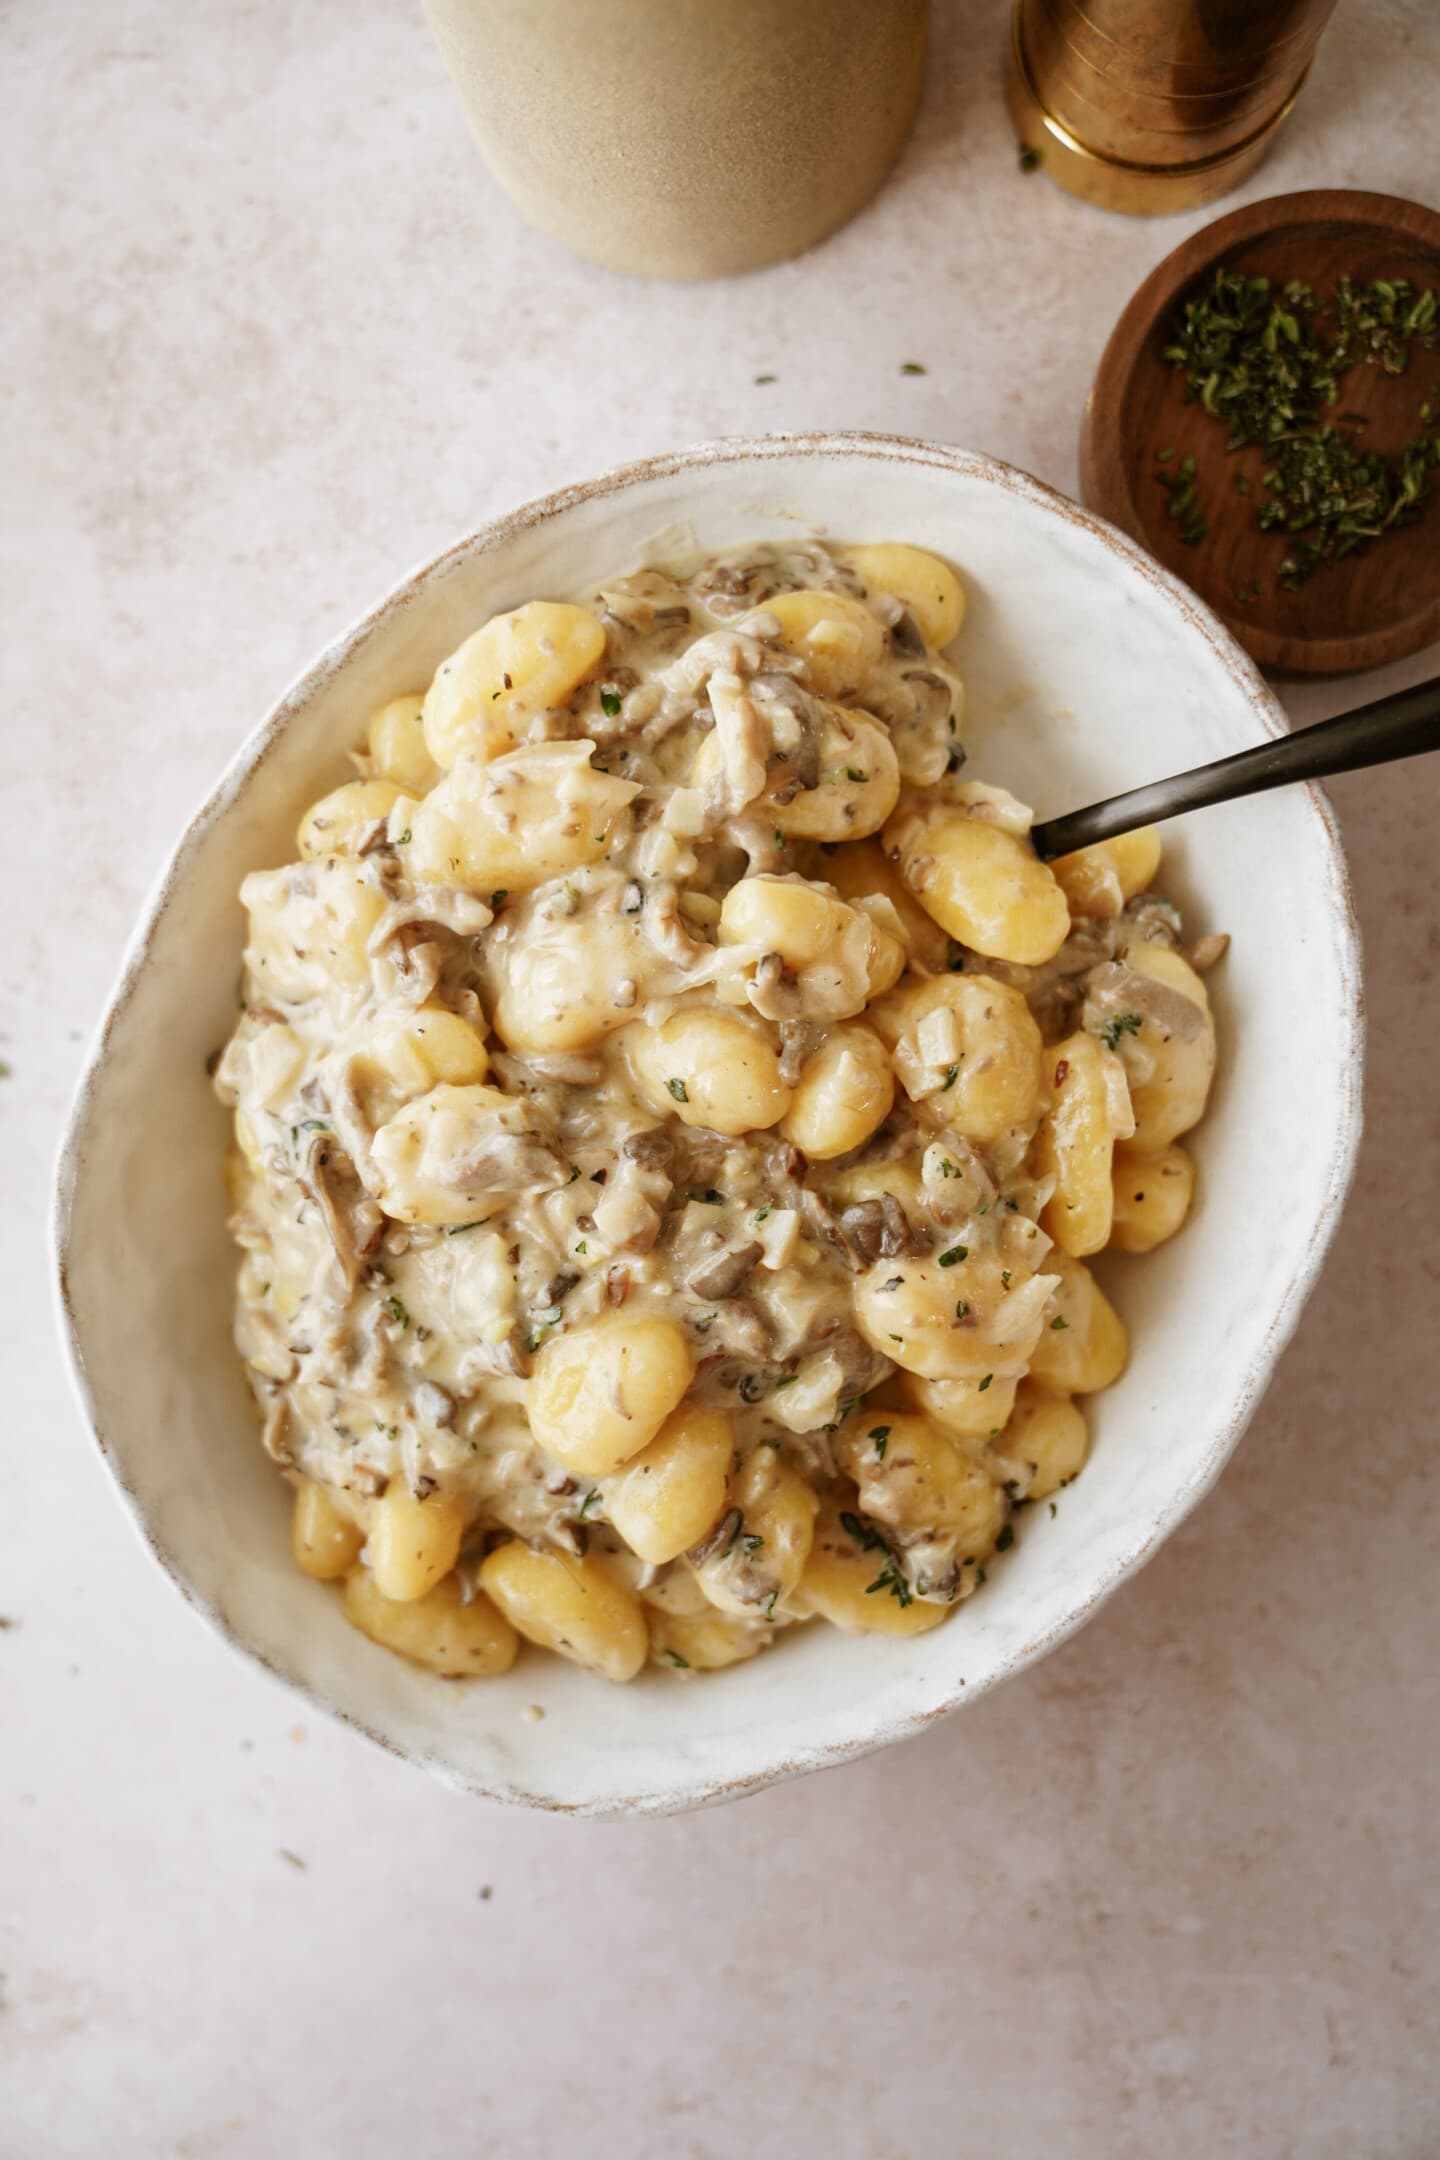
(1151, 106)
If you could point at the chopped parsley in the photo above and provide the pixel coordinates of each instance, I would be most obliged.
(892, 1580)
(961, 1309)
(788, 1381)
(867, 1539)
(858, 777)
(768, 1608)
(678, 1090)
(309, 1124)
(1004, 1278)
(956, 1254)
(404, 839)
(1255, 358)
(911, 367)
(673, 1657)
(397, 1312)
(880, 1434)
(952, 1074)
(592, 1499)
(499, 896)
(1118, 1024)
(458, 1229)
(1059, 1322)
(985, 1383)
(760, 1214)
(610, 703)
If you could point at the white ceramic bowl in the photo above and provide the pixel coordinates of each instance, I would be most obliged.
(1088, 669)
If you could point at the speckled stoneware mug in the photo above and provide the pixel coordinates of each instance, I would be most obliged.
(686, 138)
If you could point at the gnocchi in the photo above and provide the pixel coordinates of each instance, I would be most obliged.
(579, 1608)
(496, 826)
(717, 1070)
(601, 1393)
(485, 696)
(1151, 1196)
(980, 881)
(459, 1638)
(967, 1050)
(396, 747)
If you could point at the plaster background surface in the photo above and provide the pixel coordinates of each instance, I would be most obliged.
(272, 334)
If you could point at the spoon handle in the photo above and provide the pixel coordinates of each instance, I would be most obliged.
(1393, 727)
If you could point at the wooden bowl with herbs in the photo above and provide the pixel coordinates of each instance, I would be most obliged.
(1266, 421)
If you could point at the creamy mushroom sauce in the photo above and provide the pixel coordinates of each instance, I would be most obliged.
(416, 1232)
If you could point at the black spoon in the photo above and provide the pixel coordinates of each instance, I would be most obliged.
(1393, 727)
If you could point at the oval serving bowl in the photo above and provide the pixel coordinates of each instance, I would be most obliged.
(1088, 669)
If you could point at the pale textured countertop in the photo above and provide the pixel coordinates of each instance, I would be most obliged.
(271, 335)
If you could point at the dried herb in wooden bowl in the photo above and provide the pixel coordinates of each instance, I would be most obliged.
(1268, 364)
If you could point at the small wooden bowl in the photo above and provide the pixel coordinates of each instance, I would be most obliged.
(1356, 613)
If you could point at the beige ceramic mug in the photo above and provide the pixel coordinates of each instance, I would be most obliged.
(686, 138)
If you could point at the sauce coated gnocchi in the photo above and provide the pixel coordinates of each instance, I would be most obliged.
(675, 1115)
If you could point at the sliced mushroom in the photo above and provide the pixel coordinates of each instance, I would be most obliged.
(274, 1435)
(722, 1274)
(435, 1403)
(799, 1040)
(1207, 951)
(720, 1539)
(528, 1075)
(861, 1368)
(879, 1229)
(1150, 920)
(825, 1225)
(728, 581)
(653, 1148)
(442, 907)
(774, 994)
(353, 1222)
(798, 769)
(504, 1162)
(664, 928)
(1114, 988)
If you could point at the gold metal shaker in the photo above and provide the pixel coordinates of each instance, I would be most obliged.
(1151, 106)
